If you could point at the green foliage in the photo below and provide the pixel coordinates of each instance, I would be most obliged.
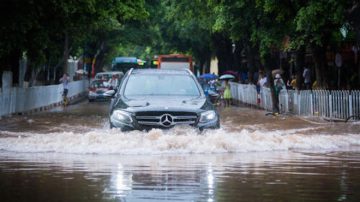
(317, 20)
(145, 28)
(39, 27)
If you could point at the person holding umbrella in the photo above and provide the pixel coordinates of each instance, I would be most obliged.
(227, 91)
(227, 94)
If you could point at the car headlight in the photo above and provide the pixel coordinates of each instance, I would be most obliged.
(121, 116)
(207, 116)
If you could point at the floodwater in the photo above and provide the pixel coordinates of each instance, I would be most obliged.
(71, 155)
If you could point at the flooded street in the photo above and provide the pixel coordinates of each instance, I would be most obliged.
(72, 155)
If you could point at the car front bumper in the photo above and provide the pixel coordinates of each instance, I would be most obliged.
(214, 124)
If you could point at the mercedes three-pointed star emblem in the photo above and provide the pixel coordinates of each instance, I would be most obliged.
(166, 120)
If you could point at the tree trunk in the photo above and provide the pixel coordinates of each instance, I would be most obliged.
(251, 62)
(270, 64)
(299, 66)
(97, 60)
(202, 69)
(358, 55)
(31, 74)
(66, 52)
(237, 57)
(10, 62)
(319, 55)
(223, 51)
(99, 63)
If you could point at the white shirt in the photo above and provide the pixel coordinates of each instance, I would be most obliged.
(65, 81)
(262, 81)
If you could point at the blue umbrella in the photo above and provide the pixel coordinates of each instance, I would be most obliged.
(208, 76)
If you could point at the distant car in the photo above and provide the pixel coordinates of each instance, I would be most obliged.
(106, 76)
(158, 98)
(97, 89)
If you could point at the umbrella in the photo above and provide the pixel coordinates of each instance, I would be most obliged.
(208, 76)
(227, 76)
(277, 71)
(230, 72)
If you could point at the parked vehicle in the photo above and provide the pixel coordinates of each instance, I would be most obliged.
(97, 89)
(106, 76)
(175, 61)
(157, 98)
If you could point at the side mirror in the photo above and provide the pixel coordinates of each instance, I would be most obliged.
(110, 93)
(214, 97)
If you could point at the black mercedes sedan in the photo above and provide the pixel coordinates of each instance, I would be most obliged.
(159, 98)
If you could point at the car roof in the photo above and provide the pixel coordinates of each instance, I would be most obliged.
(161, 71)
(98, 81)
(101, 73)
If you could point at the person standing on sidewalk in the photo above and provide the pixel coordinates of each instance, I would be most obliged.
(278, 86)
(260, 85)
(65, 81)
(227, 94)
(307, 78)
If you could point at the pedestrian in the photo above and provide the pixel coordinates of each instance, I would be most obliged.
(227, 94)
(263, 81)
(65, 81)
(278, 83)
(260, 84)
(307, 78)
(292, 83)
(278, 86)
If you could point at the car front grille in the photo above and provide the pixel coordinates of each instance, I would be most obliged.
(165, 119)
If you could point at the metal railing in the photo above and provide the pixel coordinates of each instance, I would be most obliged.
(324, 103)
(16, 100)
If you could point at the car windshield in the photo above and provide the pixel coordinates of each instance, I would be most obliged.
(161, 85)
(103, 76)
(97, 84)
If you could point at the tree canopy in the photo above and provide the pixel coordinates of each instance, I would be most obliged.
(244, 35)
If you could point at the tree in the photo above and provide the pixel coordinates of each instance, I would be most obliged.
(45, 30)
(318, 24)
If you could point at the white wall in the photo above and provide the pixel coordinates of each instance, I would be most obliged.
(15, 100)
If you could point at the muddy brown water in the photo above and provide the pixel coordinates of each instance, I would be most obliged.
(71, 155)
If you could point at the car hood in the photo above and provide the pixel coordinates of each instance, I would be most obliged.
(101, 89)
(165, 103)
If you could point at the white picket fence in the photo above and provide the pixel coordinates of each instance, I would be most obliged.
(324, 103)
(16, 100)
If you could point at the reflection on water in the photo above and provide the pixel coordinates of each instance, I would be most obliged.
(276, 176)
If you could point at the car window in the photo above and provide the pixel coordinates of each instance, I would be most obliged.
(97, 84)
(102, 76)
(154, 84)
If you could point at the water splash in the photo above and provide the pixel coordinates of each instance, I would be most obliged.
(179, 140)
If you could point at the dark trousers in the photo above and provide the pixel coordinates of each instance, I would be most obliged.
(65, 92)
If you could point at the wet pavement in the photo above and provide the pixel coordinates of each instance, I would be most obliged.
(70, 154)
